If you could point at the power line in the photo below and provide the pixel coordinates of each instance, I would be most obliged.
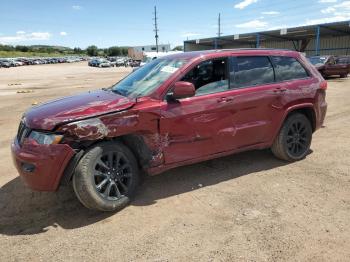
(156, 27)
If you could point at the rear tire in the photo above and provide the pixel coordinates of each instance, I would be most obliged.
(106, 177)
(294, 139)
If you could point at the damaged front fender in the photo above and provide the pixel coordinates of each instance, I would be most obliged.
(138, 130)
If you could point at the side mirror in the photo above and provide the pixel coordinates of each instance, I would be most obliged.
(182, 89)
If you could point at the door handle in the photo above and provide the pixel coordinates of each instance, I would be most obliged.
(224, 99)
(280, 90)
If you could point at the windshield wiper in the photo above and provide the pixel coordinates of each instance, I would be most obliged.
(118, 92)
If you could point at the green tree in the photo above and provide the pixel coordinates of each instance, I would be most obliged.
(7, 48)
(77, 50)
(124, 51)
(92, 50)
(178, 48)
(114, 51)
(22, 48)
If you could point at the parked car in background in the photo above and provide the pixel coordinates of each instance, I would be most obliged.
(5, 63)
(343, 60)
(327, 66)
(134, 63)
(100, 62)
(174, 111)
(104, 63)
(121, 61)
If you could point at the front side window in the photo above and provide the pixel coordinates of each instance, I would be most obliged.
(148, 78)
(288, 68)
(209, 76)
(251, 71)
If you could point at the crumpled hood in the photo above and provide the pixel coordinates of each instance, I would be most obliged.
(67, 109)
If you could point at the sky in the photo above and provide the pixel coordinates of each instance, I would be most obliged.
(105, 23)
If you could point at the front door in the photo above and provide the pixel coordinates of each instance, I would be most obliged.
(194, 127)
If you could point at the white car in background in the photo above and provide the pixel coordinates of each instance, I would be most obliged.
(104, 63)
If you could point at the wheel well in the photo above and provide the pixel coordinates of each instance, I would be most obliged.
(309, 113)
(138, 147)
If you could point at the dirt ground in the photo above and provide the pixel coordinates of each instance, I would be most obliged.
(245, 207)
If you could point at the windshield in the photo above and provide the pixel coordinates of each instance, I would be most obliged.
(147, 78)
(317, 60)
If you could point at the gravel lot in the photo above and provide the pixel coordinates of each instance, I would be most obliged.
(245, 207)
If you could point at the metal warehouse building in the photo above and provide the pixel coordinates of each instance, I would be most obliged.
(322, 39)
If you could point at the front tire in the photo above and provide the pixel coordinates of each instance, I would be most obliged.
(106, 177)
(294, 139)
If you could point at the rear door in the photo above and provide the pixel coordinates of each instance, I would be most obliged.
(256, 100)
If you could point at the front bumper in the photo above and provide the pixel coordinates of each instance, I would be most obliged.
(41, 166)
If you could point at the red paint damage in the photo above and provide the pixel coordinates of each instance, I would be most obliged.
(168, 134)
(67, 109)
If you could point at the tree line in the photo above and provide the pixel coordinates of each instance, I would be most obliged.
(90, 50)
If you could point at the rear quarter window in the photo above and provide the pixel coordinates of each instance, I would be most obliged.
(288, 68)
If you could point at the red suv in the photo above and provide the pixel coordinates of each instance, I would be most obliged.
(174, 111)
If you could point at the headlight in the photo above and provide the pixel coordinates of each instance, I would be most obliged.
(44, 138)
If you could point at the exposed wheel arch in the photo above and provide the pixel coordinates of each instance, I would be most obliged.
(309, 112)
(134, 142)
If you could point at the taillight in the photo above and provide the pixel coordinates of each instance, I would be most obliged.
(323, 85)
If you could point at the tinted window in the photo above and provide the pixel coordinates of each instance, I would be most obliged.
(209, 76)
(288, 68)
(343, 60)
(251, 70)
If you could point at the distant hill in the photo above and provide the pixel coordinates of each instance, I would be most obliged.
(55, 47)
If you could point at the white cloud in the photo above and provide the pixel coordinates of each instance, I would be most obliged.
(22, 36)
(327, 19)
(76, 7)
(270, 13)
(338, 10)
(328, 10)
(254, 24)
(63, 33)
(327, 1)
(185, 35)
(245, 3)
(277, 27)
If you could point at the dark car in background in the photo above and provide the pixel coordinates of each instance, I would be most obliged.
(328, 66)
(134, 63)
(343, 60)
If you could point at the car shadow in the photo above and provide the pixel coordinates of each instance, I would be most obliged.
(211, 172)
(23, 212)
(336, 79)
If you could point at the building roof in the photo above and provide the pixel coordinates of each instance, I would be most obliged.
(292, 34)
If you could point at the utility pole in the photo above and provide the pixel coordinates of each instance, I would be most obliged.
(156, 27)
(219, 26)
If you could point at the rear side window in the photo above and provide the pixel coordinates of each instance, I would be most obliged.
(288, 68)
(250, 71)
